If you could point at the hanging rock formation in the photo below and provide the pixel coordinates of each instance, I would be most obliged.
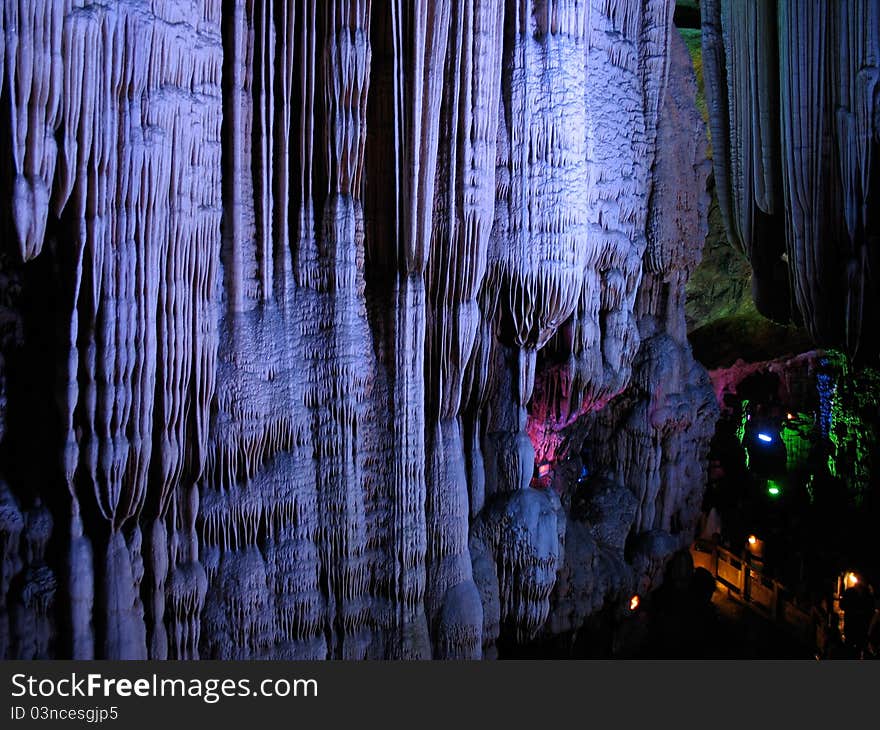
(295, 297)
(793, 90)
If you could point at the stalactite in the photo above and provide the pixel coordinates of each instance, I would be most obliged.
(656, 435)
(451, 599)
(335, 277)
(138, 179)
(792, 94)
(82, 590)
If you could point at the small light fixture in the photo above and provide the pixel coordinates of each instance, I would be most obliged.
(851, 579)
(634, 603)
(773, 491)
(753, 540)
(766, 438)
(789, 416)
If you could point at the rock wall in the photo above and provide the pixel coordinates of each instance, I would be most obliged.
(794, 104)
(300, 293)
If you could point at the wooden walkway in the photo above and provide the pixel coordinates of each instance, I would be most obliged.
(743, 579)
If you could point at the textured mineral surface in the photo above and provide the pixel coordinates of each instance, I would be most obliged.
(351, 329)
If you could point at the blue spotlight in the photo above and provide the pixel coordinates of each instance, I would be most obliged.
(765, 438)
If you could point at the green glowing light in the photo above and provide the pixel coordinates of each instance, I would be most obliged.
(853, 435)
(773, 488)
(797, 435)
(744, 417)
(741, 429)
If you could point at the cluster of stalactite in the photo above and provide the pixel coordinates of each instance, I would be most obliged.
(793, 90)
(301, 290)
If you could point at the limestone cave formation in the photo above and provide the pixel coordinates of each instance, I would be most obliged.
(356, 329)
(793, 93)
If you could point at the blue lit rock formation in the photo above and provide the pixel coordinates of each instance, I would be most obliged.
(297, 293)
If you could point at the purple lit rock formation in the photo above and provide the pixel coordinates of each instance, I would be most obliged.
(303, 292)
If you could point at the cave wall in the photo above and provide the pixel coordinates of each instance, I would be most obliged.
(298, 294)
(794, 106)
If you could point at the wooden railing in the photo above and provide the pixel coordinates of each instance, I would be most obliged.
(744, 579)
